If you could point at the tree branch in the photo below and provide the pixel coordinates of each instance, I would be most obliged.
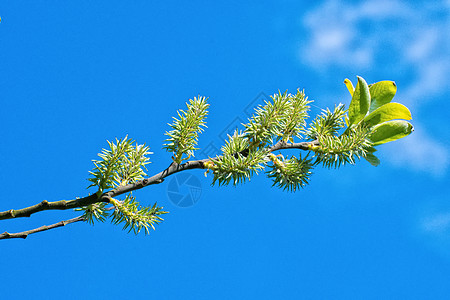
(24, 234)
(155, 179)
(45, 205)
(105, 197)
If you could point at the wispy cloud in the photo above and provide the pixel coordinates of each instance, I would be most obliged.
(408, 41)
(437, 224)
(420, 152)
(391, 36)
(341, 33)
(431, 226)
(358, 35)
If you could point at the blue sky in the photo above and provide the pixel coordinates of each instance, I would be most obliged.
(75, 74)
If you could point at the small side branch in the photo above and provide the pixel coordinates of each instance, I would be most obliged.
(24, 234)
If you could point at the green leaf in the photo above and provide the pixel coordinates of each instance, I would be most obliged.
(381, 93)
(390, 131)
(388, 112)
(372, 159)
(371, 149)
(359, 106)
(348, 83)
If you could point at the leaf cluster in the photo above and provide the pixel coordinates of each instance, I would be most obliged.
(371, 107)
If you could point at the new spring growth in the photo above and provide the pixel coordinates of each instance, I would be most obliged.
(208, 165)
(335, 137)
(276, 161)
(313, 147)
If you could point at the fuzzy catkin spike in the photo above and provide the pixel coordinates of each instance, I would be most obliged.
(135, 218)
(186, 129)
(122, 164)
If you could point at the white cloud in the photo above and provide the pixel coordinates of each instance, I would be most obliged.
(337, 37)
(382, 9)
(422, 46)
(333, 33)
(430, 82)
(388, 36)
(438, 223)
(431, 225)
(419, 152)
(408, 41)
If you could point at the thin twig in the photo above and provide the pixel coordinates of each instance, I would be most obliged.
(24, 234)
